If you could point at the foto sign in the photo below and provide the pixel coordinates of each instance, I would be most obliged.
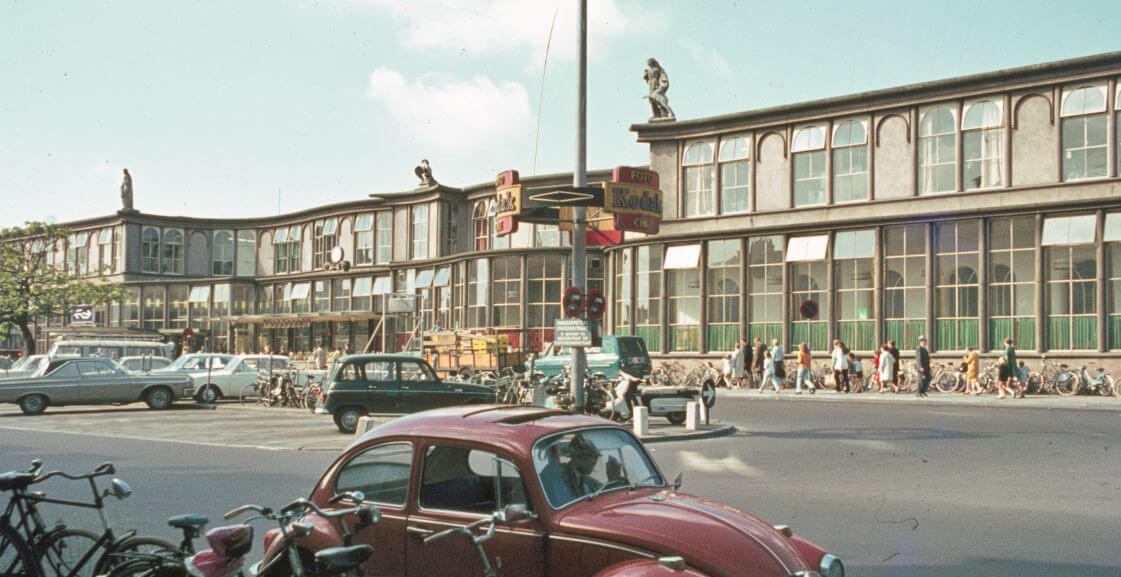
(572, 333)
(81, 315)
(507, 202)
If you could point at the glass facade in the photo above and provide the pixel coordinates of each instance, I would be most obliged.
(956, 288)
(723, 292)
(1011, 279)
(765, 288)
(648, 295)
(904, 302)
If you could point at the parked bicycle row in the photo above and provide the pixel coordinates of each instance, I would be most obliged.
(31, 548)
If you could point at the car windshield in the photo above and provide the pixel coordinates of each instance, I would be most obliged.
(27, 363)
(584, 463)
(198, 362)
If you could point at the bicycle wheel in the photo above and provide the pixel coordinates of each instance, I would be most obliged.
(311, 398)
(150, 566)
(142, 544)
(1034, 384)
(1067, 384)
(61, 553)
(249, 393)
(1107, 388)
(16, 558)
(946, 382)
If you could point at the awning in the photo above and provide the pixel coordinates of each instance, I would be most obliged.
(443, 277)
(362, 286)
(300, 290)
(683, 256)
(383, 285)
(424, 279)
(805, 248)
(1065, 230)
(199, 294)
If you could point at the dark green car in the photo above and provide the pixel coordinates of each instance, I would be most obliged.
(378, 384)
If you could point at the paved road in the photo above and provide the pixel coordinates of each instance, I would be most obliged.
(902, 489)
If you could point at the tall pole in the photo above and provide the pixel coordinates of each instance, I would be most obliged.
(579, 178)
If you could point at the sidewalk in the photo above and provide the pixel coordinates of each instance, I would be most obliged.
(1080, 402)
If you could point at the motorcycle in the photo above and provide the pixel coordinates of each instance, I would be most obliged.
(1101, 383)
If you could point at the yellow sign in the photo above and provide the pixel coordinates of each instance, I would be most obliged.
(621, 198)
(508, 201)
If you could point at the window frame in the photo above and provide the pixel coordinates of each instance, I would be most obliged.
(814, 153)
(699, 201)
(219, 265)
(730, 164)
(986, 133)
(1084, 117)
(149, 251)
(417, 225)
(409, 478)
(933, 140)
(846, 152)
(169, 256)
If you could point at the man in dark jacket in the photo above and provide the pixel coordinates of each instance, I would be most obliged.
(922, 363)
(895, 372)
(757, 359)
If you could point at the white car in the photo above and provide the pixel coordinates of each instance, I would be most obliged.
(24, 367)
(220, 376)
(143, 364)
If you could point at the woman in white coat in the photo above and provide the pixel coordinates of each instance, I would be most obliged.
(887, 366)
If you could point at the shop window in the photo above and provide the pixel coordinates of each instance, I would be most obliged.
(220, 304)
(853, 258)
(222, 260)
(904, 306)
(735, 173)
(364, 239)
(700, 180)
(621, 293)
(683, 289)
(478, 292)
(723, 288)
(507, 284)
(809, 166)
(983, 144)
(648, 295)
(153, 307)
(1072, 281)
(809, 291)
(177, 306)
(199, 301)
(172, 251)
(956, 286)
(850, 161)
(241, 300)
(150, 250)
(938, 150)
(543, 296)
(1084, 133)
(1011, 279)
(764, 281)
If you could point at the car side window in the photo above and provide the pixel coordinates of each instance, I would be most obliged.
(380, 371)
(470, 481)
(415, 372)
(66, 370)
(349, 373)
(382, 473)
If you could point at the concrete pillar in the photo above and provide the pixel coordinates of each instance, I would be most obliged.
(704, 410)
(692, 416)
(982, 288)
(641, 421)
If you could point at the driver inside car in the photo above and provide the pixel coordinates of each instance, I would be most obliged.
(571, 480)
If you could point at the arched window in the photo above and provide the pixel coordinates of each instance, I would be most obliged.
(172, 251)
(735, 184)
(850, 161)
(222, 262)
(937, 150)
(481, 224)
(150, 250)
(809, 166)
(700, 177)
(983, 145)
(1085, 133)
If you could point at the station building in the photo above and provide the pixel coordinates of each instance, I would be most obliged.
(969, 210)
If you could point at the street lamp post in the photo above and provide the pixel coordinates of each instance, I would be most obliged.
(579, 179)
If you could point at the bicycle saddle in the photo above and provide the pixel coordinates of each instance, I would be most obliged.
(337, 560)
(184, 521)
(14, 480)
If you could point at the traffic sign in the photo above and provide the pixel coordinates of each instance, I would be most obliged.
(558, 196)
(708, 393)
(572, 333)
(808, 309)
(573, 302)
(596, 304)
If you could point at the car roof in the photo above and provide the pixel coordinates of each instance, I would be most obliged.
(145, 357)
(513, 427)
(381, 357)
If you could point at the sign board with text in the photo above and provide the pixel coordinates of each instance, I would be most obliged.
(572, 333)
(621, 198)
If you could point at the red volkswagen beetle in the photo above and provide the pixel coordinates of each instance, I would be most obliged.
(598, 504)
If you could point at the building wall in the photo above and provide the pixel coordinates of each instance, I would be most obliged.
(894, 155)
(772, 181)
(1034, 141)
(198, 254)
(664, 160)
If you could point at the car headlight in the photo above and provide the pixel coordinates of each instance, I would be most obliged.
(831, 566)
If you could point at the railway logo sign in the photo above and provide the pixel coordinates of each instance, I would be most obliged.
(81, 315)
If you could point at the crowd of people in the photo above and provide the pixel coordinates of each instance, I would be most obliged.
(759, 366)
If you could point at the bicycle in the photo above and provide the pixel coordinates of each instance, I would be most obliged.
(1102, 383)
(67, 552)
(949, 379)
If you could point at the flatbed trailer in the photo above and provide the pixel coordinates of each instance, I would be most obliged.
(465, 352)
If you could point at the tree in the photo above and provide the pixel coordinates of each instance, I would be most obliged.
(32, 287)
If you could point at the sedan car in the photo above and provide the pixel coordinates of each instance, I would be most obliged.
(600, 507)
(24, 367)
(91, 381)
(224, 376)
(365, 384)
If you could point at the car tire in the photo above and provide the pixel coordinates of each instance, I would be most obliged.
(33, 404)
(159, 398)
(346, 419)
(676, 418)
(209, 394)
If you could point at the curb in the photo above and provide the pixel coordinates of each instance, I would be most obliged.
(935, 400)
(714, 431)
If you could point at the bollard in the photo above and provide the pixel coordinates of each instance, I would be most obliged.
(692, 416)
(364, 425)
(704, 410)
(538, 398)
(641, 421)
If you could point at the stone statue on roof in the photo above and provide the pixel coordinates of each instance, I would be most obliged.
(126, 193)
(658, 81)
(424, 173)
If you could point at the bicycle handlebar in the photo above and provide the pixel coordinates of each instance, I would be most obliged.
(468, 530)
(100, 470)
(264, 511)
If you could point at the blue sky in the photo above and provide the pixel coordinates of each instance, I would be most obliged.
(217, 106)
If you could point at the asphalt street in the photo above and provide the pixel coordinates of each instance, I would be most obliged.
(902, 489)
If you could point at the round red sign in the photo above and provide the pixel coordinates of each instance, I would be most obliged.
(808, 309)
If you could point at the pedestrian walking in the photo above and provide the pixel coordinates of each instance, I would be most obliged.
(840, 367)
(769, 375)
(319, 354)
(886, 367)
(922, 363)
(896, 373)
(726, 377)
(780, 365)
(856, 373)
(1003, 378)
(805, 361)
(1010, 356)
(972, 372)
(741, 361)
(757, 362)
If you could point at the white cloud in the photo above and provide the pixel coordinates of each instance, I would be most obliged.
(501, 26)
(452, 115)
(708, 59)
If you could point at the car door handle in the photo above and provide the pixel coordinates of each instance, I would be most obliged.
(418, 531)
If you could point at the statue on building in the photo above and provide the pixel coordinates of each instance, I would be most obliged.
(658, 81)
(126, 193)
(424, 173)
